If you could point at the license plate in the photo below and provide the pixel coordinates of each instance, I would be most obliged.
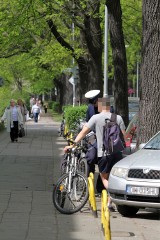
(140, 190)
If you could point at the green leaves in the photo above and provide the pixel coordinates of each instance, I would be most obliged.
(29, 50)
(132, 27)
(74, 114)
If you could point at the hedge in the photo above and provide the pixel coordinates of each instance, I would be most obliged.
(74, 114)
(56, 107)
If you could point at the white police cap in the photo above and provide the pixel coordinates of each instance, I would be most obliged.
(92, 94)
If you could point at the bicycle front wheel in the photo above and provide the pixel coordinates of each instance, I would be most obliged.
(70, 195)
(82, 166)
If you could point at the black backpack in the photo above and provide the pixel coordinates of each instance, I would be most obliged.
(113, 140)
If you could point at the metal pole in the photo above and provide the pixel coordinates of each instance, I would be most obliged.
(137, 77)
(105, 92)
(74, 88)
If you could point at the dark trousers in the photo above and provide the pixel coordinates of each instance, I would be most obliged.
(14, 131)
(35, 115)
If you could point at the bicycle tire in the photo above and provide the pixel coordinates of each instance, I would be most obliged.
(69, 203)
(59, 133)
(82, 166)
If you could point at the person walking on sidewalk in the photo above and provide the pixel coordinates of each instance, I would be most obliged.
(45, 107)
(36, 111)
(14, 119)
(31, 102)
(23, 109)
(97, 122)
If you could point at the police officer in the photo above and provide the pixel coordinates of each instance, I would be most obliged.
(92, 109)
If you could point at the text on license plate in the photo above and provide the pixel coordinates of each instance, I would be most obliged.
(140, 190)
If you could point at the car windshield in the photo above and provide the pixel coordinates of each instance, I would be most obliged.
(154, 143)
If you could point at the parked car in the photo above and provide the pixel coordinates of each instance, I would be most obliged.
(133, 107)
(131, 135)
(134, 181)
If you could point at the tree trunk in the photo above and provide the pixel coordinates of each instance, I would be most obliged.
(149, 117)
(64, 90)
(90, 72)
(90, 63)
(119, 58)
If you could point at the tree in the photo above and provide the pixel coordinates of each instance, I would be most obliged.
(132, 29)
(149, 116)
(86, 18)
(36, 21)
(42, 29)
(119, 58)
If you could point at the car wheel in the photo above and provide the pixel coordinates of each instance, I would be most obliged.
(127, 211)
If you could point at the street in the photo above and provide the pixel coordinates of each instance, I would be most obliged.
(28, 170)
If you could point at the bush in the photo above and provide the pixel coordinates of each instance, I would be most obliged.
(73, 114)
(50, 104)
(56, 107)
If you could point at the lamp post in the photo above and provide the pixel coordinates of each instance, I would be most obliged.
(73, 84)
(137, 77)
(105, 92)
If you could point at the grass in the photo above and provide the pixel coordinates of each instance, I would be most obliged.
(57, 117)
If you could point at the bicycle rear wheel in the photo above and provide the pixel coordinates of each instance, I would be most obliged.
(70, 202)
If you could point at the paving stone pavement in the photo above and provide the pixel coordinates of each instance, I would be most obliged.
(28, 170)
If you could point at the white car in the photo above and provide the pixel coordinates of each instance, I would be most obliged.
(134, 181)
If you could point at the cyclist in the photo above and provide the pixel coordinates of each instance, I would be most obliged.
(105, 163)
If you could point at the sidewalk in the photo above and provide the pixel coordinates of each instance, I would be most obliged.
(28, 170)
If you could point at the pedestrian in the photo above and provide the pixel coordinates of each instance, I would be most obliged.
(14, 120)
(23, 109)
(91, 154)
(93, 103)
(36, 111)
(45, 107)
(40, 105)
(32, 102)
(104, 162)
(92, 109)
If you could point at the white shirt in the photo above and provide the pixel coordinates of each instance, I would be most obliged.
(14, 113)
(35, 108)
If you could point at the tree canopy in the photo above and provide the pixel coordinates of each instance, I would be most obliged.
(30, 52)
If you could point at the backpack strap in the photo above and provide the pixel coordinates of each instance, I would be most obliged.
(107, 120)
(114, 117)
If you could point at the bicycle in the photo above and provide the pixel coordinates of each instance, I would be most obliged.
(70, 193)
(80, 160)
(61, 128)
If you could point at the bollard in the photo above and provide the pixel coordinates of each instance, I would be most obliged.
(92, 199)
(105, 216)
(65, 129)
(68, 134)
